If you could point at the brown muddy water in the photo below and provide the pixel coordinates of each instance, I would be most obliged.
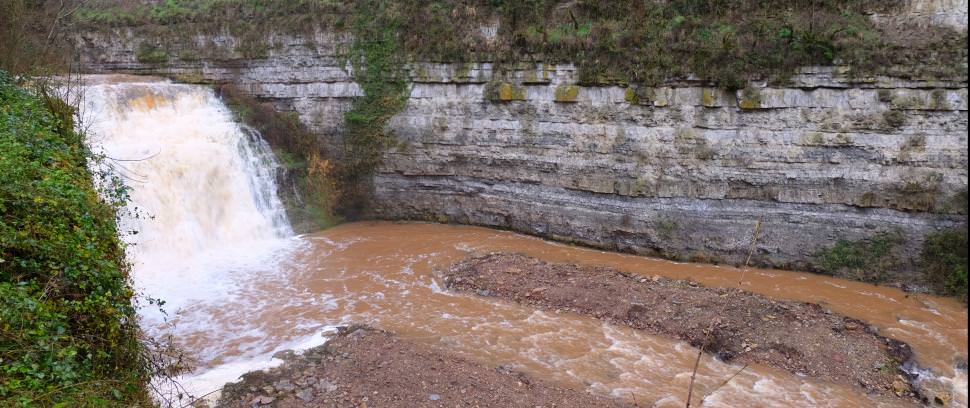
(213, 242)
(383, 274)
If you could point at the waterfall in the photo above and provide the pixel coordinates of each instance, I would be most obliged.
(203, 188)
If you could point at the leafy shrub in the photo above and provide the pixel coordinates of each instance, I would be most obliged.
(151, 54)
(944, 260)
(68, 331)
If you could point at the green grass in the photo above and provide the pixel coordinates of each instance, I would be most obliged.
(727, 42)
(868, 260)
(68, 330)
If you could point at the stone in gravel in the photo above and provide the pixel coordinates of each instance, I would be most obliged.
(357, 334)
(434, 397)
(305, 394)
(262, 400)
(900, 387)
(943, 398)
(285, 385)
(326, 386)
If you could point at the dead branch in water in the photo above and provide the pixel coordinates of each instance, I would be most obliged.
(754, 243)
(693, 375)
(723, 383)
(700, 353)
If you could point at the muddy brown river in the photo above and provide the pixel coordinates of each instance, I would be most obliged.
(383, 274)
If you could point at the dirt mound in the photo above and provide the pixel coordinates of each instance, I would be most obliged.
(363, 367)
(802, 338)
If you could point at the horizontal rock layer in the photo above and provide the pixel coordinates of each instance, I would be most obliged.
(683, 170)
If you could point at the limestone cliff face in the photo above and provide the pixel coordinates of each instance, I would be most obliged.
(681, 170)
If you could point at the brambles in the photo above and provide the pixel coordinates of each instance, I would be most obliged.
(68, 330)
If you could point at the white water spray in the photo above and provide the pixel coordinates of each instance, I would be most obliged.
(202, 187)
(204, 206)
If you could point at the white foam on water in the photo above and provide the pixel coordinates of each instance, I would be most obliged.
(209, 382)
(204, 203)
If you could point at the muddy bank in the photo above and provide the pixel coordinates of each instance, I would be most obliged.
(363, 367)
(737, 326)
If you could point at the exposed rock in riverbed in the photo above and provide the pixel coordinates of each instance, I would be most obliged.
(364, 367)
(802, 338)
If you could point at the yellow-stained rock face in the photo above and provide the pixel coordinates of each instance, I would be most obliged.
(504, 92)
(567, 93)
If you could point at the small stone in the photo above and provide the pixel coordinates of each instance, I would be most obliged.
(326, 386)
(434, 397)
(285, 385)
(943, 398)
(900, 387)
(262, 400)
(357, 334)
(504, 369)
(305, 394)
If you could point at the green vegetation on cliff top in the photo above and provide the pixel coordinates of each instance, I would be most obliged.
(68, 332)
(626, 41)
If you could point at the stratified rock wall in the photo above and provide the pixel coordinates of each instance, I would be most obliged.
(682, 170)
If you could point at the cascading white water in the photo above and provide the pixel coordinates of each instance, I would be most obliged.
(211, 181)
(204, 210)
(202, 187)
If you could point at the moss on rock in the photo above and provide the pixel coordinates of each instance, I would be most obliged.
(567, 93)
(501, 91)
